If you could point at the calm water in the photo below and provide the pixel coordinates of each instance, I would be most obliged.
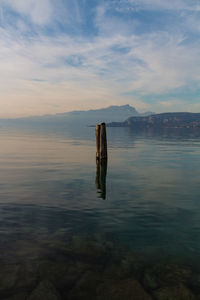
(146, 200)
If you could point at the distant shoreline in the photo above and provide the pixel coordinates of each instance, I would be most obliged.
(165, 120)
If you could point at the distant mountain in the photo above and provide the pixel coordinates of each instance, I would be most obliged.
(89, 117)
(164, 120)
(108, 114)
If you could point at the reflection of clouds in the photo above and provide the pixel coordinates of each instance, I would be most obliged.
(36, 168)
(152, 188)
(147, 169)
(160, 170)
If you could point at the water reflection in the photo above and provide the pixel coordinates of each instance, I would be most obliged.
(101, 172)
(180, 134)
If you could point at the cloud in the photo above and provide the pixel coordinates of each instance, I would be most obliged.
(112, 63)
(150, 65)
(168, 64)
(136, 5)
(40, 12)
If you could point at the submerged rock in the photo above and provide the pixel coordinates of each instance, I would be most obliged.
(20, 296)
(64, 274)
(194, 283)
(84, 250)
(45, 290)
(86, 286)
(27, 276)
(119, 269)
(128, 289)
(178, 292)
(162, 275)
(8, 277)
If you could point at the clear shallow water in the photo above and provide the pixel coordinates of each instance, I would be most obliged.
(145, 202)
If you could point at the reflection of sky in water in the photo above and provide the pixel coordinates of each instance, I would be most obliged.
(47, 182)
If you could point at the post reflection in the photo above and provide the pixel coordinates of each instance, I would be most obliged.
(101, 172)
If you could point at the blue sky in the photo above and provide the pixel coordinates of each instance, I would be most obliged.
(63, 55)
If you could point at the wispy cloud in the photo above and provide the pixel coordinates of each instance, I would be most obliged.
(53, 62)
(40, 12)
(125, 5)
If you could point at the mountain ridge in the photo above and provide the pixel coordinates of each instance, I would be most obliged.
(162, 120)
(85, 117)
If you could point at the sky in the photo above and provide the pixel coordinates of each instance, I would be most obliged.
(63, 55)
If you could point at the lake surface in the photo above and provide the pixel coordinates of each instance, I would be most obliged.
(58, 206)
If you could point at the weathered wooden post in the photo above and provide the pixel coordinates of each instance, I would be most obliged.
(98, 127)
(103, 142)
(101, 172)
(101, 159)
(98, 170)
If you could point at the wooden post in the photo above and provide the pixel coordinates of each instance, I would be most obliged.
(103, 142)
(101, 172)
(98, 141)
(101, 159)
(98, 170)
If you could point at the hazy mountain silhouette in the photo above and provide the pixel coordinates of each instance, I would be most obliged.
(89, 117)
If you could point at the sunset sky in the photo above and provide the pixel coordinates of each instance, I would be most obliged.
(63, 55)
